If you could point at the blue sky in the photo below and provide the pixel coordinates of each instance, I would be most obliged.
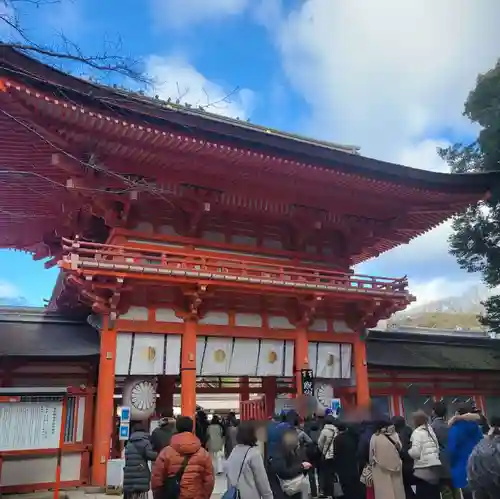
(388, 78)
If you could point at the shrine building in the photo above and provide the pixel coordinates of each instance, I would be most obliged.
(202, 254)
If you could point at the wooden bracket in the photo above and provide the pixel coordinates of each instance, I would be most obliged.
(307, 310)
(195, 204)
(193, 299)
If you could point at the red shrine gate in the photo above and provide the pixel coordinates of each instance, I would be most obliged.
(205, 246)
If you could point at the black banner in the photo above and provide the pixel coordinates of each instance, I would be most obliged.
(307, 380)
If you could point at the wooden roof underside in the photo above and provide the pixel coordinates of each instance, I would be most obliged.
(258, 174)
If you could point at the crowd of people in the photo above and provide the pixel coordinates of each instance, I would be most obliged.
(435, 458)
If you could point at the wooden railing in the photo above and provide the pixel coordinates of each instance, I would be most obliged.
(95, 258)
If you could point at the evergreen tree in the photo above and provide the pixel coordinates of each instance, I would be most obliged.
(475, 240)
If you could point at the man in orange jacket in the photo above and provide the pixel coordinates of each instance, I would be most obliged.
(184, 465)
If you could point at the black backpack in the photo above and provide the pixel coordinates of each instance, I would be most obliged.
(172, 485)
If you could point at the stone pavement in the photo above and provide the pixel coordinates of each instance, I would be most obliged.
(220, 488)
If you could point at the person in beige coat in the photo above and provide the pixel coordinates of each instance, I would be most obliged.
(386, 463)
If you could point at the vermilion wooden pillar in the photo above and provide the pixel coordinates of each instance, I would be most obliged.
(301, 356)
(188, 368)
(361, 370)
(270, 392)
(244, 389)
(104, 410)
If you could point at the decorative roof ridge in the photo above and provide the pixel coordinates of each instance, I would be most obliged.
(200, 111)
(23, 68)
(204, 114)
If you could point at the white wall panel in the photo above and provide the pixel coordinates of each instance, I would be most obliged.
(40, 469)
(249, 320)
(123, 352)
(331, 360)
(341, 327)
(172, 354)
(215, 319)
(346, 358)
(289, 358)
(80, 418)
(216, 356)
(167, 315)
(136, 314)
(271, 360)
(244, 358)
(328, 363)
(147, 354)
(280, 322)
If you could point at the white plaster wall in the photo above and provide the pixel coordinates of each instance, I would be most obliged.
(40, 469)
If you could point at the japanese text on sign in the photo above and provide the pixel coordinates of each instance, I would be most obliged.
(307, 382)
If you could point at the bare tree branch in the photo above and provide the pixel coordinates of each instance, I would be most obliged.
(104, 62)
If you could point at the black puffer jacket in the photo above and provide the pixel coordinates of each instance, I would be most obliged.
(162, 435)
(136, 473)
(285, 465)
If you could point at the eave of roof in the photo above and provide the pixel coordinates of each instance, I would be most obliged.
(213, 127)
(403, 351)
(36, 333)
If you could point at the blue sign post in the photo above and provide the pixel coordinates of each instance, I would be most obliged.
(124, 414)
(124, 432)
(336, 407)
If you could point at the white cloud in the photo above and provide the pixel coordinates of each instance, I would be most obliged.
(436, 289)
(383, 74)
(8, 290)
(177, 79)
(182, 13)
(391, 76)
(424, 155)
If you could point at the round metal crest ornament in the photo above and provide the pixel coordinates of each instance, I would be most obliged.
(324, 394)
(140, 396)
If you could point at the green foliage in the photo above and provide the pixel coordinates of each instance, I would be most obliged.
(475, 241)
(491, 317)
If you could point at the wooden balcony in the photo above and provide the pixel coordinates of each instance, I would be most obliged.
(93, 259)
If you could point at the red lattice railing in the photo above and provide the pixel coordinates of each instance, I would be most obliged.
(94, 258)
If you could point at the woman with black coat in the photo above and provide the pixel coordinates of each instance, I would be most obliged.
(288, 464)
(136, 473)
(346, 463)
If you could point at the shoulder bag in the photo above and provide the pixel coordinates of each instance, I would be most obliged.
(172, 485)
(293, 486)
(396, 446)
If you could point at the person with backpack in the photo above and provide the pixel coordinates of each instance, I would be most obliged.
(136, 474)
(162, 435)
(245, 471)
(183, 470)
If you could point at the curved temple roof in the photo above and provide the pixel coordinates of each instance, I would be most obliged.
(19, 67)
(43, 110)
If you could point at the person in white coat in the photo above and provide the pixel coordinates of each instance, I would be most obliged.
(424, 451)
